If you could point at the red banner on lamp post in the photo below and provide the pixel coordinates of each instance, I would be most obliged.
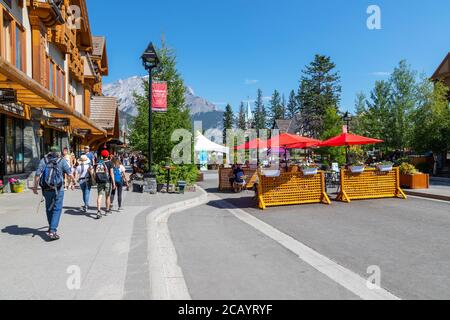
(159, 97)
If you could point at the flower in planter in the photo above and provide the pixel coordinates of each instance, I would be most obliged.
(1, 184)
(408, 169)
(15, 182)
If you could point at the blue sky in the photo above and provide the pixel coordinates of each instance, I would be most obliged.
(228, 49)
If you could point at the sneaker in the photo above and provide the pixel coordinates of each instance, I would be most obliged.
(120, 209)
(84, 209)
(99, 215)
(53, 236)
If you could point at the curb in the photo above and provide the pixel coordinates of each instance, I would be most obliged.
(166, 277)
(427, 195)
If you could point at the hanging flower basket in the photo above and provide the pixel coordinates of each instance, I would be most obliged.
(357, 169)
(385, 167)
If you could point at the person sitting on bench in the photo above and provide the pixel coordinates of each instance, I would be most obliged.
(239, 179)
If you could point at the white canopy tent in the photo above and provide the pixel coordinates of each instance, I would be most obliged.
(202, 144)
(205, 150)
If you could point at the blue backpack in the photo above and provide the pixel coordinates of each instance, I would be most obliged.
(117, 175)
(52, 178)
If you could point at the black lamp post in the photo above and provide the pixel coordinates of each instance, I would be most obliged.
(150, 60)
(347, 118)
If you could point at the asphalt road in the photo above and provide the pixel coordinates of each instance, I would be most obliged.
(224, 258)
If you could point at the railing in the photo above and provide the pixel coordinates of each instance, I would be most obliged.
(371, 184)
(291, 188)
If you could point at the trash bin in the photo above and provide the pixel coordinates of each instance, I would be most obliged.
(138, 187)
(150, 184)
(181, 186)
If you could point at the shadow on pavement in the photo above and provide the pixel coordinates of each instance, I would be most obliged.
(20, 231)
(240, 203)
(72, 211)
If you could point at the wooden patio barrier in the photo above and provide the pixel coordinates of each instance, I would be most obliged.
(291, 188)
(226, 173)
(371, 184)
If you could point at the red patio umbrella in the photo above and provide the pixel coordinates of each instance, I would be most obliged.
(291, 141)
(347, 140)
(286, 140)
(253, 144)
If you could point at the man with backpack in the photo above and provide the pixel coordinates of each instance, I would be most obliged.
(50, 177)
(104, 176)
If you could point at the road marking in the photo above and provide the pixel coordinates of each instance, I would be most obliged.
(429, 199)
(341, 275)
(166, 277)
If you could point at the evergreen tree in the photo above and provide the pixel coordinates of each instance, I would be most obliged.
(228, 120)
(164, 124)
(319, 89)
(260, 112)
(292, 106)
(240, 121)
(403, 96)
(276, 108)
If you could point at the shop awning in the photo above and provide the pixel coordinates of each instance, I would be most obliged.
(33, 94)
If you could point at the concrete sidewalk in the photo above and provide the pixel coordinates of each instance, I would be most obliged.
(110, 254)
(439, 190)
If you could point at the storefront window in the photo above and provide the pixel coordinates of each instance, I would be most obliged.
(10, 163)
(19, 154)
(14, 146)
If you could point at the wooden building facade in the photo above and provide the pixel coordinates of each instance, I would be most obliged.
(51, 69)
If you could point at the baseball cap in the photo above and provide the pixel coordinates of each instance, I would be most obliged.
(105, 153)
(55, 149)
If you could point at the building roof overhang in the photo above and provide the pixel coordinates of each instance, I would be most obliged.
(443, 71)
(33, 94)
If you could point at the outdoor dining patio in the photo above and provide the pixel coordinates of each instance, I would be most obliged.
(294, 183)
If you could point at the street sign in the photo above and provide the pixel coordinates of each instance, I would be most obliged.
(8, 96)
(59, 122)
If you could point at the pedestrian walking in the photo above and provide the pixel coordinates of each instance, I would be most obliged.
(104, 176)
(84, 175)
(120, 180)
(50, 177)
(67, 157)
(90, 155)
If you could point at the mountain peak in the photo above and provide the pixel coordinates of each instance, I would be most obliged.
(124, 90)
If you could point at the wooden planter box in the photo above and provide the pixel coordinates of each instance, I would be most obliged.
(415, 181)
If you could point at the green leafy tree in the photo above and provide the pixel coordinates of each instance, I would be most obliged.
(276, 107)
(260, 112)
(240, 120)
(164, 124)
(332, 125)
(319, 89)
(292, 108)
(228, 120)
(432, 120)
